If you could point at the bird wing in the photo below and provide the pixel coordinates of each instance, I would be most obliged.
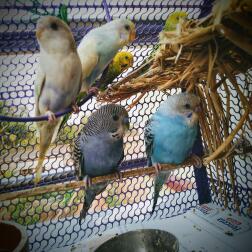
(89, 59)
(149, 139)
(90, 64)
(39, 85)
(65, 118)
(78, 158)
(103, 81)
(120, 161)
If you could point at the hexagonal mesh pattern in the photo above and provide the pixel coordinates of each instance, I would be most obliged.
(52, 218)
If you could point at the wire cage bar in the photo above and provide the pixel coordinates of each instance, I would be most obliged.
(51, 218)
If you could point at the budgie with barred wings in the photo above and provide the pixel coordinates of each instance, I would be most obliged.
(98, 149)
(58, 79)
(170, 135)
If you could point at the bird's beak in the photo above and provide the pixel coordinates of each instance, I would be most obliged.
(132, 35)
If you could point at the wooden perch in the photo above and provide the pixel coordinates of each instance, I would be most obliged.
(125, 174)
(78, 184)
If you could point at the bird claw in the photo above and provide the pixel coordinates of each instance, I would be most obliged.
(88, 181)
(75, 108)
(83, 214)
(37, 178)
(94, 90)
(197, 162)
(51, 116)
(157, 167)
(119, 176)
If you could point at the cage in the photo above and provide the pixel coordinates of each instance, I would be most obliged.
(50, 211)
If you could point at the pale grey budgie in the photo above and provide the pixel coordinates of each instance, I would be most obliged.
(58, 79)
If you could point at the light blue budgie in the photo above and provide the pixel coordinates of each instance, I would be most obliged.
(98, 149)
(170, 135)
(98, 48)
(58, 79)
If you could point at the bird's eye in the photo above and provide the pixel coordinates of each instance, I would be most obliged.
(187, 106)
(54, 26)
(126, 57)
(127, 27)
(115, 117)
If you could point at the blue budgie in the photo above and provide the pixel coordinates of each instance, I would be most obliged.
(98, 149)
(58, 80)
(170, 135)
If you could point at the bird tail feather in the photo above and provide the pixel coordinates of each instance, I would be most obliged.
(46, 134)
(160, 179)
(90, 194)
(57, 129)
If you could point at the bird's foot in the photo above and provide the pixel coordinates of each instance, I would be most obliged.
(75, 108)
(87, 181)
(157, 167)
(119, 176)
(197, 161)
(94, 90)
(83, 214)
(51, 116)
(37, 178)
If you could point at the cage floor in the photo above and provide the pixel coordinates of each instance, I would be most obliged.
(204, 228)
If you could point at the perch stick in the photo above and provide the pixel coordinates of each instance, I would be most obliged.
(228, 139)
(77, 184)
(135, 101)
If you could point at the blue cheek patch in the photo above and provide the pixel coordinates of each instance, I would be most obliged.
(189, 115)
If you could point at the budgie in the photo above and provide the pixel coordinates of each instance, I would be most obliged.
(58, 80)
(98, 149)
(100, 45)
(170, 25)
(97, 49)
(121, 62)
(170, 135)
(173, 20)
